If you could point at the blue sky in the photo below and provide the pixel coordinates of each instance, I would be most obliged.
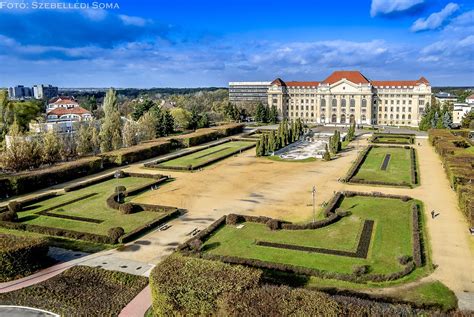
(190, 43)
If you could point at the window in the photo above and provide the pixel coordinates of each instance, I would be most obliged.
(409, 116)
(352, 102)
(343, 102)
(380, 108)
(364, 103)
(323, 102)
(334, 103)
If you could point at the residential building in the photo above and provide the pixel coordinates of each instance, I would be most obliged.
(252, 91)
(443, 97)
(349, 96)
(470, 99)
(19, 92)
(459, 111)
(44, 92)
(66, 109)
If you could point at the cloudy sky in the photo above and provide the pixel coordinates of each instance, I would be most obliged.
(196, 43)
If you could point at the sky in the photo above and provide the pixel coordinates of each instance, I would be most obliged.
(191, 43)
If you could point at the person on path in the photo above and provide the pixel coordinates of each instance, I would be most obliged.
(432, 214)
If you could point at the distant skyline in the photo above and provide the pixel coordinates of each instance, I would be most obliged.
(183, 43)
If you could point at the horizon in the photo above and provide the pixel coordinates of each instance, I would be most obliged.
(208, 44)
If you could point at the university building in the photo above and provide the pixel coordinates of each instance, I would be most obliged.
(348, 96)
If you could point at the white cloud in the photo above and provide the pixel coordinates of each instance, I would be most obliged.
(130, 20)
(435, 20)
(390, 6)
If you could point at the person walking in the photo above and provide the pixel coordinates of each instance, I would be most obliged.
(432, 214)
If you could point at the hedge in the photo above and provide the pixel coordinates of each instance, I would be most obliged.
(137, 153)
(57, 232)
(188, 286)
(134, 234)
(270, 300)
(416, 239)
(458, 165)
(349, 178)
(80, 291)
(410, 138)
(204, 234)
(29, 181)
(21, 256)
(198, 137)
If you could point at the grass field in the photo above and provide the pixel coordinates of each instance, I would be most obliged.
(398, 169)
(93, 207)
(209, 154)
(391, 238)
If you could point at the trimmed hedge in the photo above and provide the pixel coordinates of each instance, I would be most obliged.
(204, 234)
(137, 232)
(29, 181)
(349, 178)
(458, 165)
(21, 256)
(88, 183)
(137, 153)
(269, 300)
(80, 291)
(57, 232)
(410, 138)
(416, 239)
(187, 286)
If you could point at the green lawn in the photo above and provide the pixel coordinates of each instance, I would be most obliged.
(430, 293)
(206, 155)
(391, 238)
(398, 170)
(94, 207)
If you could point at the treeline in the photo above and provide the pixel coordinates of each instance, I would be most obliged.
(111, 133)
(287, 133)
(437, 117)
(266, 114)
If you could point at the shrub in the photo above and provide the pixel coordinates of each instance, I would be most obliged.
(115, 233)
(189, 286)
(14, 206)
(120, 189)
(126, 208)
(10, 216)
(342, 213)
(21, 256)
(405, 259)
(119, 174)
(361, 270)
(195, 245)
(273, 224)
(278, 301)
(232, 219)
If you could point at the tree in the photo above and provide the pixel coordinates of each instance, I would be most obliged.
(259, 149)
(147, 126)
(51, 148)
(169, 123)
(447, 120)
(90, 104)
(84, 140)
(141, 108)
(203, 121)
(181, 117)
(351, 132)
(111, 132)
(22, 153)
(327, 155)
(95, 140)
(261, 113)
(468, 120)
(130, 133)
(273, 114)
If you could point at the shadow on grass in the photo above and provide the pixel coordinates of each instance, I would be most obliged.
(210, 246)
(27, 218)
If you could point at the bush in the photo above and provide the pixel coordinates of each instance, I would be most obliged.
(120, 174)
(360, 270)
(195, 245)
(273, 224)
(342, 213)
(21, 256)
(232, 219)
(14, 206)
(405, 259)
(120, 189)
(126, 208)
(10, 216)
(188, 286)
(115, 233)
(278, 301)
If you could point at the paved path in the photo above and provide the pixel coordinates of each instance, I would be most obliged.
(139, 305)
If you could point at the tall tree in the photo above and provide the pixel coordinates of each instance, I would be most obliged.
(147, 126)
(130, 133)
(327, 155)
(273, 114)
(51, 148)
(85, 140)
(22, 152)
(111, 129)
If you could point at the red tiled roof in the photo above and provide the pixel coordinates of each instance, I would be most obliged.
(62, 111)
(470, 97)
(278, 82)
(402, 83)
(354, 76)
(62, 100)
(302, 83)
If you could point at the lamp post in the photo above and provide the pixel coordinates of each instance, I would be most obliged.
(313, 192)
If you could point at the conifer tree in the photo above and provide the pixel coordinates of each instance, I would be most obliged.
(327, 155)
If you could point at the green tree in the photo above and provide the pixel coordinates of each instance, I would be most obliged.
(51, 148)
(147, 126)
(259, 149)
(273, 114)
(467, 121)
(90, 104)
(260, 113)
(181, 118)
(111, 129)
(141, 108)
(169, 123)
(22, 153)
(204, 121)
(130, 133)
(327, 155)
(85, 140)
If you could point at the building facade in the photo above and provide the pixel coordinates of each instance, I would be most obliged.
(20, 92)
(459, 111)
(348, 96)
(244, 92)
(66, 109)
(44, 92)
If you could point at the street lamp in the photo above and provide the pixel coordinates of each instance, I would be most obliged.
(313, 192)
